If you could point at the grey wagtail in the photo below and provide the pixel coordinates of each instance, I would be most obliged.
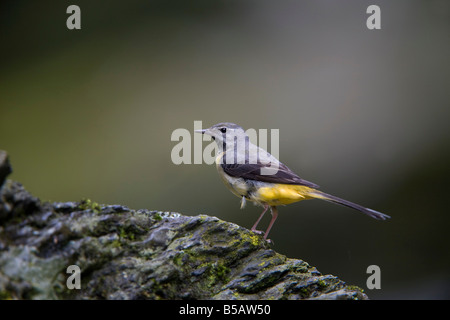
(251, 173)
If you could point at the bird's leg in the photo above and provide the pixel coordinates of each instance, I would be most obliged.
(274, 212)
(266, 206)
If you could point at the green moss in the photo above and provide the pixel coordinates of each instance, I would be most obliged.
(157, 216)
(5, 295)
(123, 234)
(305, 292)
(300, 268)
(216, 273)
(190, 252)
(116, 243)
(88, 204)
(245, 236)
(222, 272)
(253, 238)
(321, 283)
(178, 260)
(355, 288)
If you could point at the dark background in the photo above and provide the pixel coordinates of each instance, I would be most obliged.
(364, 113)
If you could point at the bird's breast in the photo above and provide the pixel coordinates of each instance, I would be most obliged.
(236, 185)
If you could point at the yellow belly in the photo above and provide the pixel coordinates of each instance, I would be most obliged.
(281, 194)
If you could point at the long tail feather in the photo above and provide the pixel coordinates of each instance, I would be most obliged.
(328, 197)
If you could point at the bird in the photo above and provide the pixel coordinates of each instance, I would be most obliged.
(253, 174)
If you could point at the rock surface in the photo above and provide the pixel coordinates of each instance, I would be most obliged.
(143, 254)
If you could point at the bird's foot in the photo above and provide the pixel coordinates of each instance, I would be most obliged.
(257, 231)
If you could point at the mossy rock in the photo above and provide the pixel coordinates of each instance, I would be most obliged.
(143, 254)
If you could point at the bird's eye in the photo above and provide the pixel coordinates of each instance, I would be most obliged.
(223, 130)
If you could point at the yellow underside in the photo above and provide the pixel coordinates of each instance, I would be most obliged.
(281, 194)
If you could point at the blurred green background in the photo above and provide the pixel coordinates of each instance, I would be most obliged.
(89, 114)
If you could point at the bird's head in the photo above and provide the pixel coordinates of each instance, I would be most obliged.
(225, 134)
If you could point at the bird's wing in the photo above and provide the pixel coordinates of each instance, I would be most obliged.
(253, 171)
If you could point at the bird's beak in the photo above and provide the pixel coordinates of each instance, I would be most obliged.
(201, 131)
